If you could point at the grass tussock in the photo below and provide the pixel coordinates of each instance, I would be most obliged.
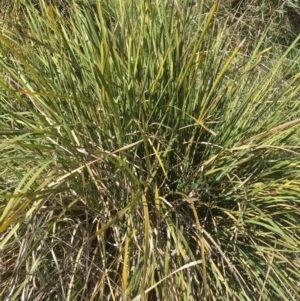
(149, 151)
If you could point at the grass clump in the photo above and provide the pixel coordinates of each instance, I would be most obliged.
(146, 155)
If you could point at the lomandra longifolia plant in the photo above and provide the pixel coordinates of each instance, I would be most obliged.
(149, 151)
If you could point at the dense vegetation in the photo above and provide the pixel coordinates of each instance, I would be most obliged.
(149, 150)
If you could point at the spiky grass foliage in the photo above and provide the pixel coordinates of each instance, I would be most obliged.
(146, 157)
